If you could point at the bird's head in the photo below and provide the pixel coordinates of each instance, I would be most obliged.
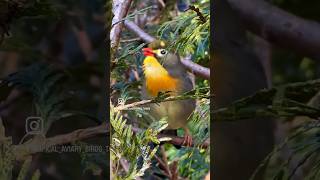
(158, 49)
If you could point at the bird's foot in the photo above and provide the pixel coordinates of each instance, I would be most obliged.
(187, 141)
(187, 138)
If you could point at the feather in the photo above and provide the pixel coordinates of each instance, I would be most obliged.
(157, 78)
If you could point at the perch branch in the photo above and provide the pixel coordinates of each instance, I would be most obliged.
(193, 67)
(40, 144)
(149, 101)
(280, 27)
(175, 140)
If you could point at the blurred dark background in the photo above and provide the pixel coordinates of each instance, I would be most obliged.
(251, 52)
(69, 37)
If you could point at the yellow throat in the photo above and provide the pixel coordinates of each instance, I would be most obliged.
(157, 77)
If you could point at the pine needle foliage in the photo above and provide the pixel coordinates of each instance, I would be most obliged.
(7, 159)
(133, 147)
(193, 163)
(47, 86)
(303, 148)
(45, 83)
(6, 156)
(190, 30)
(298, 155)
(199, 123)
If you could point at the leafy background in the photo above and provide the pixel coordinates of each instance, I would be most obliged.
(69, 35)
(289, 100)
(191, 35)
(52, 60)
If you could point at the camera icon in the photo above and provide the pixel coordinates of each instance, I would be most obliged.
(34, 125)
(121, 101)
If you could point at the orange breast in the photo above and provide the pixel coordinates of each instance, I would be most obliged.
(161, 84)
(157, 78)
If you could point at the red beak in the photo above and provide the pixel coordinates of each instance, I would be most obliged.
(148, 52)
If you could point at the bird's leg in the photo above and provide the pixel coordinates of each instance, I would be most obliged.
(187, 137)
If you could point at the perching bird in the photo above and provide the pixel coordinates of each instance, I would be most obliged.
(164, 72)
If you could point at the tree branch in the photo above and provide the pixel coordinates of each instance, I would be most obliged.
(138, 31)
(166, 169)
(40, 143)
(193, 67)
(196, 68)
(175, 140)
(120, 10)
(149, 101)
(280, 27)
(283, 101)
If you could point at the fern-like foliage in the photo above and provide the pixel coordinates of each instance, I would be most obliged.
(7, 158)
(6, 155)
(193, 163)
(133, 147)
(190, 30)
(297, 157)
(199, 123)
(24, 170)
(92, 161)
(45, 83)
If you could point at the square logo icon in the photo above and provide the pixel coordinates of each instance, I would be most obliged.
(34, 125)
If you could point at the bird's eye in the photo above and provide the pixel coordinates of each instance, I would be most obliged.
(163, 52)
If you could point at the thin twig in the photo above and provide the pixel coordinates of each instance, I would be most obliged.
(131, 15)
(302, 162)
(129, 106)
(162, 164)
(162, 3)
(129, 40)
(175, 140)
(124, 165)
(199, 14)
(174, 170)
(165, 160)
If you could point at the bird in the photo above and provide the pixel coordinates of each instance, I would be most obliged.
(164, 73)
